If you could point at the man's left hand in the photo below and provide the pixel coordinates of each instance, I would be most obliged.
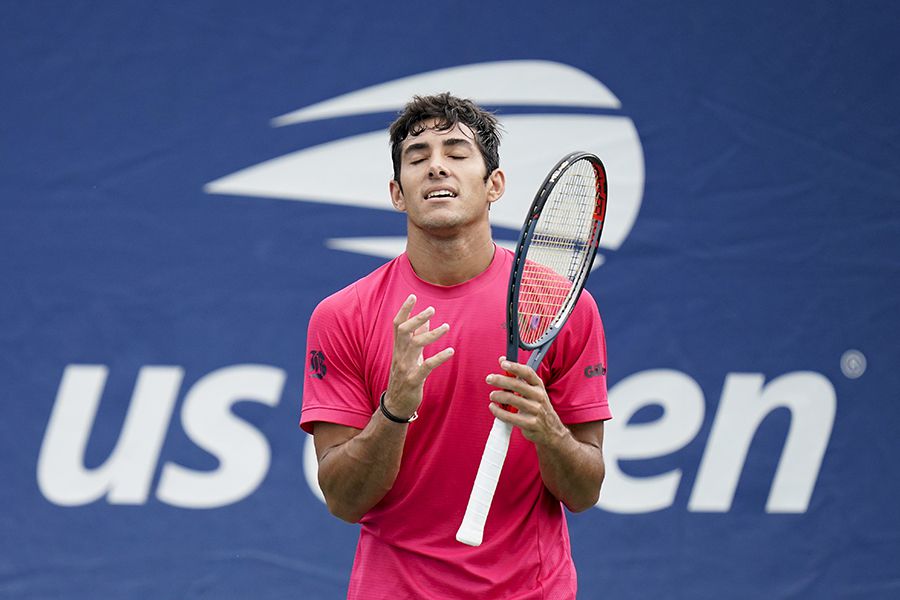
(521, 388)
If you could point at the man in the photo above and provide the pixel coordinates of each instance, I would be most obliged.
(407, 376)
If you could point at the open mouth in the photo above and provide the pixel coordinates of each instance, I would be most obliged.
(440, 194)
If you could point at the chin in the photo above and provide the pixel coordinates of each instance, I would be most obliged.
(439, 228)
(446, 224)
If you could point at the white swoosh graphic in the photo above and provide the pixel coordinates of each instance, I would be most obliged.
(355, 171)
(506, 83)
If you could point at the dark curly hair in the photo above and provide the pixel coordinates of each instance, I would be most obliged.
(448, 110)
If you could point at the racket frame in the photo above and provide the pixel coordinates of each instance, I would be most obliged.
(471, 530)
(542, 344)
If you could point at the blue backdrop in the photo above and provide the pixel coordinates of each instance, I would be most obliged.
(181, 183)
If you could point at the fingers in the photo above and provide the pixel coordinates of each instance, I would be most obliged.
(406, 324)
(412, 333)
(405, 310)
(513, 385)
(438, 359)
(432, 336)
(521, 389)
(417, 327)
(523, 372)
(518, 380)
(522, 420)
(416, 323)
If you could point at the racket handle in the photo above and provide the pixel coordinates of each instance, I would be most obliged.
(471, 531)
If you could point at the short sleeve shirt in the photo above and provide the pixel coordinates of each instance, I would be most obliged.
(407, 545)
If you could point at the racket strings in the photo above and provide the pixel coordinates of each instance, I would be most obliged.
(556, 260)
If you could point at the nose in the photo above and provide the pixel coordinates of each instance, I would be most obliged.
(436, 168)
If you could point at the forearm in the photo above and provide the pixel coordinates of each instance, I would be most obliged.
(572, 470)
(570, 457)
(358, 468)
(356, 474)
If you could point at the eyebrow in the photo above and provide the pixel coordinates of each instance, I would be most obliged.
(449, 142)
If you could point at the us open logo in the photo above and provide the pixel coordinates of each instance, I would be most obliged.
(552, 109)
(568, 109)
(558, 109)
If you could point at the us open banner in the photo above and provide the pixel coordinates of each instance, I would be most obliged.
(181, 183)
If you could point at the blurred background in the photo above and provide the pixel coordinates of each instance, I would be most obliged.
(181, 183)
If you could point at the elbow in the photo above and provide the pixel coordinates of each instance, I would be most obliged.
(588, 498)
(582, 504)
(592, 500)
(343, 512)
(339, 506)
(348, 498)
(337, 503)
(348, 505)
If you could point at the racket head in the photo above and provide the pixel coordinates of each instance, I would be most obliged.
(556, 249)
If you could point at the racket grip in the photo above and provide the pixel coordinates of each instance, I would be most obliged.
(471, 531)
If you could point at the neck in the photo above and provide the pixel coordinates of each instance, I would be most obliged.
(450, 260)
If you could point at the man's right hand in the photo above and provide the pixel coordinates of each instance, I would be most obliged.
(409, 369)
(358, 467)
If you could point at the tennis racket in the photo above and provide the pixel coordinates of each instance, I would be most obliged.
(553, 258)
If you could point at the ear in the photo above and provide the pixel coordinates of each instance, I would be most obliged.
(496, 185)
(397, 196)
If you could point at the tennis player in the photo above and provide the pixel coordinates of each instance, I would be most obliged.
(406, 375)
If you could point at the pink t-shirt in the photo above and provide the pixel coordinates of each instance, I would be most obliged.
(407, 546)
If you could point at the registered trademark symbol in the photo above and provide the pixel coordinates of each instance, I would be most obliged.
(853, 364)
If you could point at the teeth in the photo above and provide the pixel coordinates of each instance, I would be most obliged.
(441, 194)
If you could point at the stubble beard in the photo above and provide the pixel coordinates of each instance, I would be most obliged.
(442, 225)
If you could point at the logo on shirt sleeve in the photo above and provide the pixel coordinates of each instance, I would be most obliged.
(317, 364)
(594, 370)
